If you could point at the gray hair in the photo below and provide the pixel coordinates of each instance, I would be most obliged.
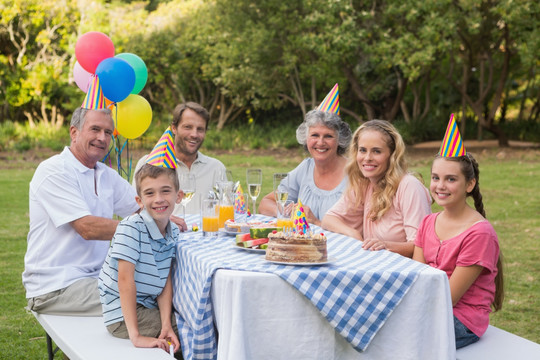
(331, 121)
(78, 117)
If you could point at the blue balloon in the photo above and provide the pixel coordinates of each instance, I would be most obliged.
(116, 77)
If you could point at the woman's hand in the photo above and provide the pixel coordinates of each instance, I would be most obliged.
(311, 218)
(374, 244)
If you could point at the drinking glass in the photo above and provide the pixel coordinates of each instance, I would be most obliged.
(281, 193)
(210, 215)
(254, 182)
(284, 215)
(187, 185)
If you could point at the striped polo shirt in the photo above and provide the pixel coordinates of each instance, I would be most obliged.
(139, 241)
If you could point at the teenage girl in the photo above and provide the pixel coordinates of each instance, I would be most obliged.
(461, 242)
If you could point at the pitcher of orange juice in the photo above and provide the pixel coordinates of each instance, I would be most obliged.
(226, 202)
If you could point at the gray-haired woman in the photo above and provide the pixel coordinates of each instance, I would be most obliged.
(320, 179)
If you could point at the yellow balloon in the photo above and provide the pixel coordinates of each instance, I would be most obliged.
(132, 116)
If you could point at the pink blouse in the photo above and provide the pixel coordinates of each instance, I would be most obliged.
(410, 204)
(478, 245)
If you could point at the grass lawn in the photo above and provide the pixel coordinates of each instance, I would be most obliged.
(509, 185)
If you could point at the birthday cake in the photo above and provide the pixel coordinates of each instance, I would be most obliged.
(296, 247)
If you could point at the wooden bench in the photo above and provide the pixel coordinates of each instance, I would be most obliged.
(497, 344)
(86, 338)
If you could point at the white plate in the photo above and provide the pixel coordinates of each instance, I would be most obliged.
(263, 251)
(328, 261)
(223, 231)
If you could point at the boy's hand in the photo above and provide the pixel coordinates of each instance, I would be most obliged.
(148, 342)
(168, 335)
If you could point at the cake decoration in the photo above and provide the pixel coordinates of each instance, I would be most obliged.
(299, 218)
(240, 201)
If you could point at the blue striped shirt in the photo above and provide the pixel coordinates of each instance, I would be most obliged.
(138, 240)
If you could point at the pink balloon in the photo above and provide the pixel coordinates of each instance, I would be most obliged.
(91, 48)
(81, 76)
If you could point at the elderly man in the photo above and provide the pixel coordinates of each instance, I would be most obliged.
(73, 198)
(189, 125)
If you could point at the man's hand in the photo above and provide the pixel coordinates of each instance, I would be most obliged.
(179, 222)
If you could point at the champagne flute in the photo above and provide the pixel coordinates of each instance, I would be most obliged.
(254, 181)
(281, 193)
(187, 185)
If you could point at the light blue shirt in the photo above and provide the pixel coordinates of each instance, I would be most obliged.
(301, 185)
(139, 241)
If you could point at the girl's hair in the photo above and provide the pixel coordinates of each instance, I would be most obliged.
(331, 121)
(384, 192)
(469, 168)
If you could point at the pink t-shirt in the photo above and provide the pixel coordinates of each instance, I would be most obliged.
(409, 206)
(478, 245)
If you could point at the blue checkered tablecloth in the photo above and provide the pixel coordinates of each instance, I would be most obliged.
(356, 292)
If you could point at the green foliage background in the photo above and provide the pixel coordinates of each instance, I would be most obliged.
(272, 61)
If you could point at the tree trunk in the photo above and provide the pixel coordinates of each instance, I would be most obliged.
(402, 86)
(359, 92)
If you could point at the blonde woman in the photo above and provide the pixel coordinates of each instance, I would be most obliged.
(383, 204)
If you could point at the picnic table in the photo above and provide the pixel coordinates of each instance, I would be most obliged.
(233, 304)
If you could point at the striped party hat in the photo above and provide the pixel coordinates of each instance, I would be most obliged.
(94, 99)
(331, 101)
(452, 145)
(163, 153)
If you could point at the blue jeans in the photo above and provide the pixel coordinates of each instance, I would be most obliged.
(464, 336)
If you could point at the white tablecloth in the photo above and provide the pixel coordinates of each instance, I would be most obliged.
(260, 315)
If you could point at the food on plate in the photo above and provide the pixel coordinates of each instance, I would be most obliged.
(296, 247)
(246, 241)
(252, 243)
(243, 227)
(262, 232)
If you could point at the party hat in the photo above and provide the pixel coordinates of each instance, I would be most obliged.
(299, 219)
(331, 101)
(94, 99)
(240, 201)
(163, 153)
(452, 145)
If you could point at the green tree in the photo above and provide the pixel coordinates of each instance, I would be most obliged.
(35, 38)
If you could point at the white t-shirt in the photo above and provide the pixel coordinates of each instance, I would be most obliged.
(61, 191)
(204, 168)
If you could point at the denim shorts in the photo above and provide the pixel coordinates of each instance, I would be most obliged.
(464, 336)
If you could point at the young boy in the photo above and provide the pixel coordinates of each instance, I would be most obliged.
(135, 281)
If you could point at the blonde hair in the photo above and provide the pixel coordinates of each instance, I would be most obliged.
(386, 188)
